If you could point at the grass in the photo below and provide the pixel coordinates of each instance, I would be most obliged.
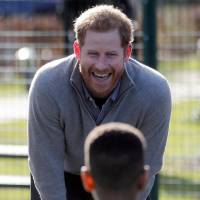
(177, 196)
(13, 132)
(184, 129)
(14, 194)
(10, 166)
(182, 64)
(180, 176)
(11, 89)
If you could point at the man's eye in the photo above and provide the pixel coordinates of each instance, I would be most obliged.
(92, 53)
(111, 54)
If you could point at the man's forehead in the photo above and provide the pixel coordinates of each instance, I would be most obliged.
(108, 39)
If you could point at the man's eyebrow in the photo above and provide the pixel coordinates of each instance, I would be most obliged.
(112, 51)
(91, 50)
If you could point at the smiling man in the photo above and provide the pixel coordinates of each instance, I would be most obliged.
(99, 83)
(101, 64)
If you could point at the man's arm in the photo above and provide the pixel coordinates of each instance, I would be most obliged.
(46, 142)
(155, 127)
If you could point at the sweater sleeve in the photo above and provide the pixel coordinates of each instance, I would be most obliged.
(155, 127)
(46, 143)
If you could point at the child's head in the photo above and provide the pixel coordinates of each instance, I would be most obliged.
(114, 160)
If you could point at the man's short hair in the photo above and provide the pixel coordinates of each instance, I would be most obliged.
(104, 18)
(114, 154)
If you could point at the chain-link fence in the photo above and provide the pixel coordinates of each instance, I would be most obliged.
(179, 60)
(31, 34)
(27, 41)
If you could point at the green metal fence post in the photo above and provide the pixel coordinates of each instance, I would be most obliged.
(150, 55)
(149, 33)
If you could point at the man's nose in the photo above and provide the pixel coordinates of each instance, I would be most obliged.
(101, 64)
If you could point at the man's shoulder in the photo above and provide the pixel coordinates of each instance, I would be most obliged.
(62, 64)
(54, 73)
(56, 68)
(147, 80)
(144, 70)
(142, 73)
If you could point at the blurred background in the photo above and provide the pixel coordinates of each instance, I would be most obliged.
(167, 37)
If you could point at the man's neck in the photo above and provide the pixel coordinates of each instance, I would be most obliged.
(100, 101)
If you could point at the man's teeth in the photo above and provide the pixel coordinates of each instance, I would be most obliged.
(100, 75)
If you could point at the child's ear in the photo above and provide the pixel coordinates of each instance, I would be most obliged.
(87, 179)
(143, 178)
(77, 50)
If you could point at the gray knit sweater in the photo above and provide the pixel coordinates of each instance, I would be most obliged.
(59, 120)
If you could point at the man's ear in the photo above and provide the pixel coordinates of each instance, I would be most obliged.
(87, 179)
(77, 50)
(143, 178)
(128, 52)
